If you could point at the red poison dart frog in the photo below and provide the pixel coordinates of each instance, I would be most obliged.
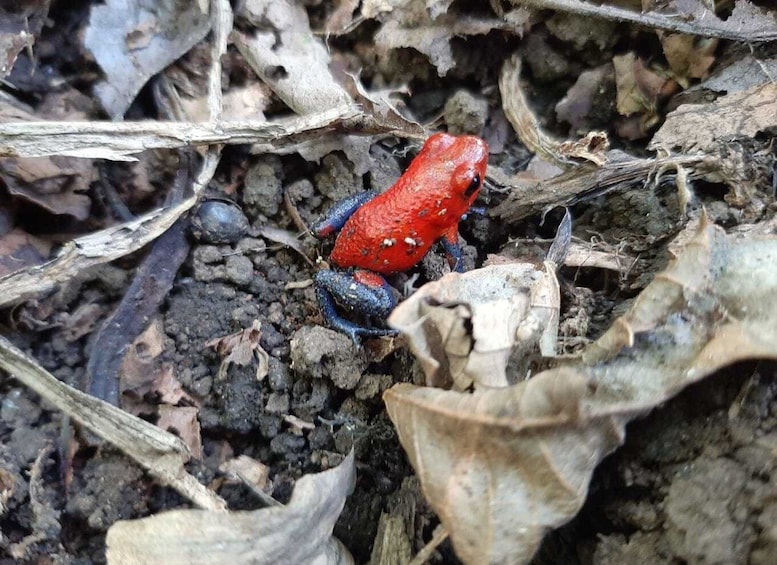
(382, 234)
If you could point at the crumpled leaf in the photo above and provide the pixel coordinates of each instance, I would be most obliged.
(425, 25)
(55, 183)
(503, 466)
(299, 533)
(294, 63)
(20, 22)
(688, 58)
(132, 40)
(18, 250)
(463, 328)
(703, 126)
(242, 348)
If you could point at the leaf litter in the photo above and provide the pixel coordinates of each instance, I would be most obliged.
(502, 466)
(514, 455)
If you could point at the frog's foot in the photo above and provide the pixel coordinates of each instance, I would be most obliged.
(363, 292)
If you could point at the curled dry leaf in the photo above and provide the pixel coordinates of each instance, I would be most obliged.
(242, 348)
(133, 40)
(463, 328)
(288, 57)
(300, 532)
(502, 467)
(526, 125)
(703, 126)
(183, 422)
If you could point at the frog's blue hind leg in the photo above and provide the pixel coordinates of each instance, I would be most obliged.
(338, 214)
(363, 292)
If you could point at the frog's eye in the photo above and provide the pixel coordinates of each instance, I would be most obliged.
(474, 184)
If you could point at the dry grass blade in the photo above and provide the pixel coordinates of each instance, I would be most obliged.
(120, 140)
(746, 23)
(84, 252)
(162, 453)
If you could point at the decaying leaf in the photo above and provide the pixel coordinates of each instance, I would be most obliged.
(745, 22)
(703, 126)
(57, 184)
(503, 466)
(287, 56)
(20, 22)
(19, 249)
(463, 328)
(299, 533)
(183, 422)
(516, 107)
(688, 58)
(242, 348)
(132, 40)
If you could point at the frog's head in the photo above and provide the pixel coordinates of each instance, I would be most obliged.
(462, 159)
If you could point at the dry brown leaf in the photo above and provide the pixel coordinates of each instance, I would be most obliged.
(463, 328)
(501, 467)
(428, 27)
(248, 471)
(183, 422)
(57, 184)
(687, 58)
(145, 382)
(299, 533)
(639, 88)
(19, 249)
(287, 56)
(242, 348)
(20, 22)
(132, 41)
(702, 127)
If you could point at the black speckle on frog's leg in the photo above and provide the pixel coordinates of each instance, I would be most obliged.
(423, 213)
(363, 292)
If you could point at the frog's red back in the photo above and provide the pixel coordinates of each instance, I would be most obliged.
(392, 232)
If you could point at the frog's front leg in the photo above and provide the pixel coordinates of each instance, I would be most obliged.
(338, 214)
(363, 292)
(450, 242)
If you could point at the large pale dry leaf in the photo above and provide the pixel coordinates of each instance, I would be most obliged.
(704, 126)
(132, 40)
(299, 533)
(501, 467)
(294, 62)
(463, 328)
(288, 57)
